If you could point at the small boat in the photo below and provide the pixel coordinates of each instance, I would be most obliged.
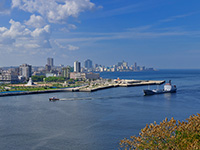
(168, 88)
(53, 99)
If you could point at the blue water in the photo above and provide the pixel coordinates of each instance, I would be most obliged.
(98, 120)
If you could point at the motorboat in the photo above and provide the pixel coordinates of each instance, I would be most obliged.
(168, 88)
(53, 99)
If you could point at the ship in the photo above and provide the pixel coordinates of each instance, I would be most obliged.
(168, 88)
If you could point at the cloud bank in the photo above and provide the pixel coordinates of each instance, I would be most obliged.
(56, 11)
(18, 35)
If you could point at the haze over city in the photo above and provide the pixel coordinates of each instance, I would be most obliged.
(160, 34)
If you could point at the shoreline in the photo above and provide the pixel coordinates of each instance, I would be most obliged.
(130, 83)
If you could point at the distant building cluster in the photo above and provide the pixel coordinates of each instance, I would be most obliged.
(87, 71)
(119, 67)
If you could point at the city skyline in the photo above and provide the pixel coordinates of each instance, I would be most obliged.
(104, 31)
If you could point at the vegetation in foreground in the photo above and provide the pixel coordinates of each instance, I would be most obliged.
(169, 135)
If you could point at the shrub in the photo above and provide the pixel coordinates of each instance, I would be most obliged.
(172, 134)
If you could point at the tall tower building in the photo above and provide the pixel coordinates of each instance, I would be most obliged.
(88, 64)
(66, 72)
(50, 62)
(25, 70)
(77, 66)
(135, 66)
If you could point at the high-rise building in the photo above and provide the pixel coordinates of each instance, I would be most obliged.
(77, 66)
(135, 66)
(50, 62)
(66, 72)
(47, 68)
(88, 64)
(25, 70)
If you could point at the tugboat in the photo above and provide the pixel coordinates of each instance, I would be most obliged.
(168, 88)
(53, 99)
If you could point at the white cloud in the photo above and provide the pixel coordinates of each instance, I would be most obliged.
(3, 9)
(68, 28)
(35, 21)
(72, 48)
(68, 47)
(56, 11)
(18, 36)
(72, 26)
(16, 3)
(4, 12)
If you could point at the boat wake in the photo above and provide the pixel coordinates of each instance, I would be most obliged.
(73, 99)
(98, 98)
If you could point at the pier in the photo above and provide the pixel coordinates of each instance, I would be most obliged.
(94, 86)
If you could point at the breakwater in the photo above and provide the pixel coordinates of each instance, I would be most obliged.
(89, 88)
(30, 92)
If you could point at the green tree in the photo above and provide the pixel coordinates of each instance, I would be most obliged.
(55, 79)
(172, 134)
(37, 78)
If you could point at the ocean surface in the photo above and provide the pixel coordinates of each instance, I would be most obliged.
(98, 120)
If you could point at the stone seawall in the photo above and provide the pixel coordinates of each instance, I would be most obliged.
(85, 88)
(30, 92)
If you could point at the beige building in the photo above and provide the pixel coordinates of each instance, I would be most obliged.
(8, 77)
(79, 75)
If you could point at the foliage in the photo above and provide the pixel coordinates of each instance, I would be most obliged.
(55, 79)
(37, 78)
(172, 134)
(57, 85)
(28, 88)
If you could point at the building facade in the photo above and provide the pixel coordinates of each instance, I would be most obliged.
(50, 62)
(80, 75)
(25, 70)
(66, 72)
(8, 77)
(88, 64)
(77, 66)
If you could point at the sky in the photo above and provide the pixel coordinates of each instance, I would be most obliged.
(164, 34)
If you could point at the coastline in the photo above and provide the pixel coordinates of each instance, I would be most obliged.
(127, 83)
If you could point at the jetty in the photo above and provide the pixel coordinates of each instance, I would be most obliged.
(91, 87)
(121, 83)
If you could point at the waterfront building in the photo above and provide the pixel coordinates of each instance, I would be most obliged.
(92, 76)
(80, 75)
(50, 62)
(77, 75)
(66, 72)
(25, 70)
(88, 64)
(113, 69)
(125, 64)
(77, 66)
(8, 77)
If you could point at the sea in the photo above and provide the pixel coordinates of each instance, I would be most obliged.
(97, 120)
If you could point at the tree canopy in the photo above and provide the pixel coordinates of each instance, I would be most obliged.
(172, 134)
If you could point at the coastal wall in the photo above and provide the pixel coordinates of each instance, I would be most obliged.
(86, 89)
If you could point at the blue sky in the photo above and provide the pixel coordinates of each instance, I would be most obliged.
(155, 33)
